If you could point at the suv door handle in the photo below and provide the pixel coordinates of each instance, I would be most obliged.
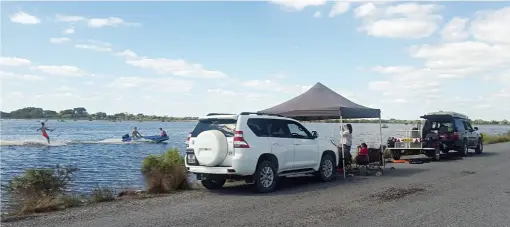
(297, 144)
(276, 144)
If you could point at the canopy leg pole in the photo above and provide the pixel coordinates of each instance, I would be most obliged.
(342, 145)
(382, 151)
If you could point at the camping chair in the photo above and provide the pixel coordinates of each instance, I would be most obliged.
(362, 162)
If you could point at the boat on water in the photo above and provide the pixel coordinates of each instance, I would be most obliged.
(154, 139)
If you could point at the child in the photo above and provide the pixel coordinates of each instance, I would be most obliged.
(362, 157)
(44, 133)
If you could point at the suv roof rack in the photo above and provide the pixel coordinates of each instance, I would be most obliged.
(445, 113)
(215, 114)
(248, 113)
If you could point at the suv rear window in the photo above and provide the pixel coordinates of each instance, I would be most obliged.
(439, 126)
(227, 126)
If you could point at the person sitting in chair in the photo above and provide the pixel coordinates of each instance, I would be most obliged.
(362, 156)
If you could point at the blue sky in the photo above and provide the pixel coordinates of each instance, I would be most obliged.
(191, 58)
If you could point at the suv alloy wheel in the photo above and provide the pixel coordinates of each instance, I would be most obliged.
(479, 147)
(327, 168)
(266, 177)
(465, 149)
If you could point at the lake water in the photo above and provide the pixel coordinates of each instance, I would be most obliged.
(96, 149)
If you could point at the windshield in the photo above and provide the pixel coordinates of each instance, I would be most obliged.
(227, 126)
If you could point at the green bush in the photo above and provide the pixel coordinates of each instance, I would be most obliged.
(492, 139)
(165, 172)
(102, 194)
(39, 190)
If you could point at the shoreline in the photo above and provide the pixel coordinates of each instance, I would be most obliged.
(303, 200)
(195, 191)
(408, 122)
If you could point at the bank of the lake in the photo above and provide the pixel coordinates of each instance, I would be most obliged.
(96, 148)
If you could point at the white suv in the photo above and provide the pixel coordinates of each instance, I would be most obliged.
(257, 148)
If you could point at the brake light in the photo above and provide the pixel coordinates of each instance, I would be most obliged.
(187, 139)
(456, 136)
(239, 141)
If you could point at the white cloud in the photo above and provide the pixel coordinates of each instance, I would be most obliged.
(65, 18)
(60, 40)
(152, 84)
(317, 14)
(486, 59)
(397, 100)
(95, 22)
(339, 8)
(177, 67)
(13, 76)
(406, 20)
(65, 88)
(93, 47)
(463, 57)
(15, 95)
(492, 26)
(365, 10)
(24, 18)
(69, 30)
(108, 22)
(270, 85)
(61, 70)
(127, 54)
(393, 69)
(297, 5)
(455, 29)
(14, 61)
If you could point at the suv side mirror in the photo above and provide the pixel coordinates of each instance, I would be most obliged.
(315, 134)
(476, 128)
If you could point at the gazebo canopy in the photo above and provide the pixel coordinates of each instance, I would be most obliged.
(320, 102)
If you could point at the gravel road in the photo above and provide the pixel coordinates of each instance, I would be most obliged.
(472, 191)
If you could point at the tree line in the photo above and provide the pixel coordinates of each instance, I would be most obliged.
(397, 121)
(80, 113)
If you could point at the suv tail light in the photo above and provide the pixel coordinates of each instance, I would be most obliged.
(187, 139)
(456, 136)
(239, 141)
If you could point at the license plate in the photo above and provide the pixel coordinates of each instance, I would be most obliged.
(191, 158)
(407, 140)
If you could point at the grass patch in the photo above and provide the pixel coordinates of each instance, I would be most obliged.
(492, 139)
(102, 194)
(41, 190)
(45, 189)
(165, 173)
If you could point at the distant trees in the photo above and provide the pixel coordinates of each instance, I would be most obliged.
(82, 113)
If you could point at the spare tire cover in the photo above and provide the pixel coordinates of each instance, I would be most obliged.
(210, 148)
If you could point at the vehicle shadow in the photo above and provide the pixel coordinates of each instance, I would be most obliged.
(297, 185)
(451, 157)
(484, 154)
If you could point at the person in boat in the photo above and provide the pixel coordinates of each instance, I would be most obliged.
(135, 134)
(163, 133)
(44, 132)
